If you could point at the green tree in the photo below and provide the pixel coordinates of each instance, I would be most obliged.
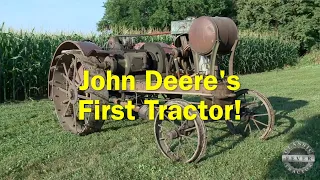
(299, 19)
(159, 13)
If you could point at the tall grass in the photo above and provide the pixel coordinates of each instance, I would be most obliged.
(263, 52)
(24, 61)
(25, 56)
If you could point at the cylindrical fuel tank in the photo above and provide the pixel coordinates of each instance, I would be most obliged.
(205, 31)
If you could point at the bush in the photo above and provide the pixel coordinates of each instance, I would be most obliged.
(299, 19)
(311, 58)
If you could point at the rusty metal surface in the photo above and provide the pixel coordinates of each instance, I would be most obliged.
(67, 77)
(205, 31)
(228, 33)
(149, 34)
(85, 47)
(231, 59)
(138, 45)
(220, 92)
(159, 53)
(202, 35)
(166, 48)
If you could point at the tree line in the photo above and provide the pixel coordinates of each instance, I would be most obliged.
(297, 19)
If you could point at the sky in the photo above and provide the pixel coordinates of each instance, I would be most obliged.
(79, 16)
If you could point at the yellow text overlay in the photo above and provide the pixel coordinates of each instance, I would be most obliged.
(154, 81)
(176, 112)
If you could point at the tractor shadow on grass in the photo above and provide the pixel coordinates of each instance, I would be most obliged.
(220, 127)
(116, 125)
(283, 106)
(125, 123)
(308, 133)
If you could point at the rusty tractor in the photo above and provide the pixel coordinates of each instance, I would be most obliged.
(197, 49)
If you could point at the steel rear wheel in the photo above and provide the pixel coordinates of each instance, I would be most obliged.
(67, 77)
(257, 115)
(180, 140)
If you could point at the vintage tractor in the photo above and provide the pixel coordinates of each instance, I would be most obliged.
(198, 47)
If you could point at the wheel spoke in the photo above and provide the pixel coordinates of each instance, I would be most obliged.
(258, 107)
(162, 127)
(83, 97)
(64, 114)
(248, 126)
(259, 122)
(79, 84)
(248, 104)
(183, 123)
(167, 119)
(257, 115)
(190, 129)
(240, 123)
(65, 69)
(180, 152)
(254, 99)
(245, 129)
(67, 78)
(78, 78)
(189, 138)
(256, 124)
(72, 63)
(74, 72)
(63, 90)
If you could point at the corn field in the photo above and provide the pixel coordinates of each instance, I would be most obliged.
(25, 57)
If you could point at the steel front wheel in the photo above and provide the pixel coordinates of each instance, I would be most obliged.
(257, 115)
(180, 140)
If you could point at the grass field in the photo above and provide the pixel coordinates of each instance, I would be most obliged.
(33, 144)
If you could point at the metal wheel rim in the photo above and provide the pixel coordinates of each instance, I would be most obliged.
(66, 78)
(270, 112)
(200, 131)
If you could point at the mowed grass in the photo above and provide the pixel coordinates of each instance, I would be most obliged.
(34, 146)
